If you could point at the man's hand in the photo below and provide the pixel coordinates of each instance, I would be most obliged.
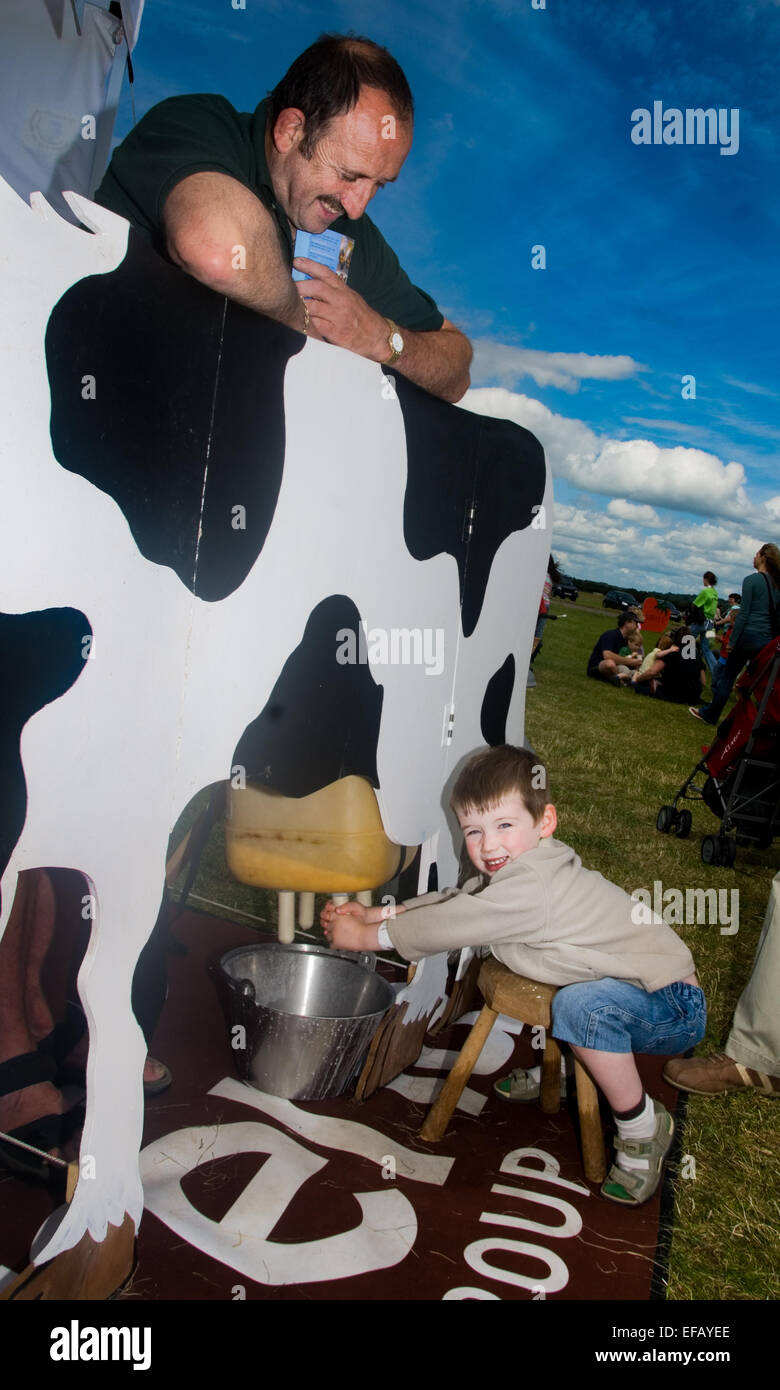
(340, 315)
(438, 360)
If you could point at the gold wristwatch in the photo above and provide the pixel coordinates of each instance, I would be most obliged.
(395, 343)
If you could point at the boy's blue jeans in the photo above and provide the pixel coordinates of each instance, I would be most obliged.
(615, 1016)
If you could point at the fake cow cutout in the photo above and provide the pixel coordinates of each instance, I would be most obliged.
(196, 503)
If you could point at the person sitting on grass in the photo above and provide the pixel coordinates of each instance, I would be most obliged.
(627, 985)
(683, 675)
(645, 680)
(605, 658)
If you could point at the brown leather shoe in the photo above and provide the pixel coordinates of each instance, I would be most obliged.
(711, 1076)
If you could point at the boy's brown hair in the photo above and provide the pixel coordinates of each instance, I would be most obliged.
(496, 773)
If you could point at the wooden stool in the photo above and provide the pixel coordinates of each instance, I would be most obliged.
(529, 1002)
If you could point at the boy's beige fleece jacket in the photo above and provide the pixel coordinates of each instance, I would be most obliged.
(547, 917)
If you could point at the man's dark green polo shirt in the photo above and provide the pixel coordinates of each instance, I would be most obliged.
(193, 134)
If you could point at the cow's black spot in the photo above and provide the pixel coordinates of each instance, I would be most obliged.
(495, 703)
(188, 388)
(460, 465)
(41, 655)
(321, 720)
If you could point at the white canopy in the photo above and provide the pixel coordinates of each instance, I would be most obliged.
(61, 69)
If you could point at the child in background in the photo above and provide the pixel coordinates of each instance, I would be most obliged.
(634, 647)
(629, 982)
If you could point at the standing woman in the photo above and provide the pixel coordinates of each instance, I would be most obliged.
(756, 623)
(705, 606)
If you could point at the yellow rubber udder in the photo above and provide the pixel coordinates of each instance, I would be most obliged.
(330, 842)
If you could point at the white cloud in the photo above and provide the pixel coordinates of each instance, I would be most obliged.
(687, 479)
(592, 545)
(750, 386)
(508, 364)
(633, 511)
(690, 479)
(626, 543)
(581, 524)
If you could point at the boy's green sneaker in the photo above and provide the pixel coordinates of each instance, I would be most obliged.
(520, 1085)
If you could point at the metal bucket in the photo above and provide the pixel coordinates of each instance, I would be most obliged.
(308, 1012)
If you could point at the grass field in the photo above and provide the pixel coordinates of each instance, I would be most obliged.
(613, 760)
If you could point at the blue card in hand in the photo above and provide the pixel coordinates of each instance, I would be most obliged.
(332, 249)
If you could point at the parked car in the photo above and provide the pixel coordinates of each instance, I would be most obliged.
(566, 588)
(672, 611)
(618, 598)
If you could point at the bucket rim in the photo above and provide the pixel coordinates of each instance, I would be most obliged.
(304, 947)
(314, 948)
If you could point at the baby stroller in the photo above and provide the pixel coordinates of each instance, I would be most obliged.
(740, 774)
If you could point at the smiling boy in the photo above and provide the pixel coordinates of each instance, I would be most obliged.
(625, 987)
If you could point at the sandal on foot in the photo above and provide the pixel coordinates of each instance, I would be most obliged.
(519, 1085)
(630, 1187)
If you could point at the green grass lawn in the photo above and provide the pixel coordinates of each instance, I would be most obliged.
(613, 760)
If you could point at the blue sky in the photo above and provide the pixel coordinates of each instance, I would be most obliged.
(661, 259)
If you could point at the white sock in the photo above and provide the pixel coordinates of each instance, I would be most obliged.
(643, 1127)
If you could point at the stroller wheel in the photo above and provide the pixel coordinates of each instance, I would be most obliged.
(665, 819)
(710, 850)
(684, 823)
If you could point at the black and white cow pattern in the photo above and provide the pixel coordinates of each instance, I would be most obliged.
(208, 499)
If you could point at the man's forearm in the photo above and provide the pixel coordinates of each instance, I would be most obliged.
(439, 362)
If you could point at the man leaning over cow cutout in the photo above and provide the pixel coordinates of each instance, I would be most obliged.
(222, 194)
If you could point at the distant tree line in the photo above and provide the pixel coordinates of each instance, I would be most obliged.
(600, 586)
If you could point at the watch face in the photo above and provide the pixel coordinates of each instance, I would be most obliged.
(396, 342)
